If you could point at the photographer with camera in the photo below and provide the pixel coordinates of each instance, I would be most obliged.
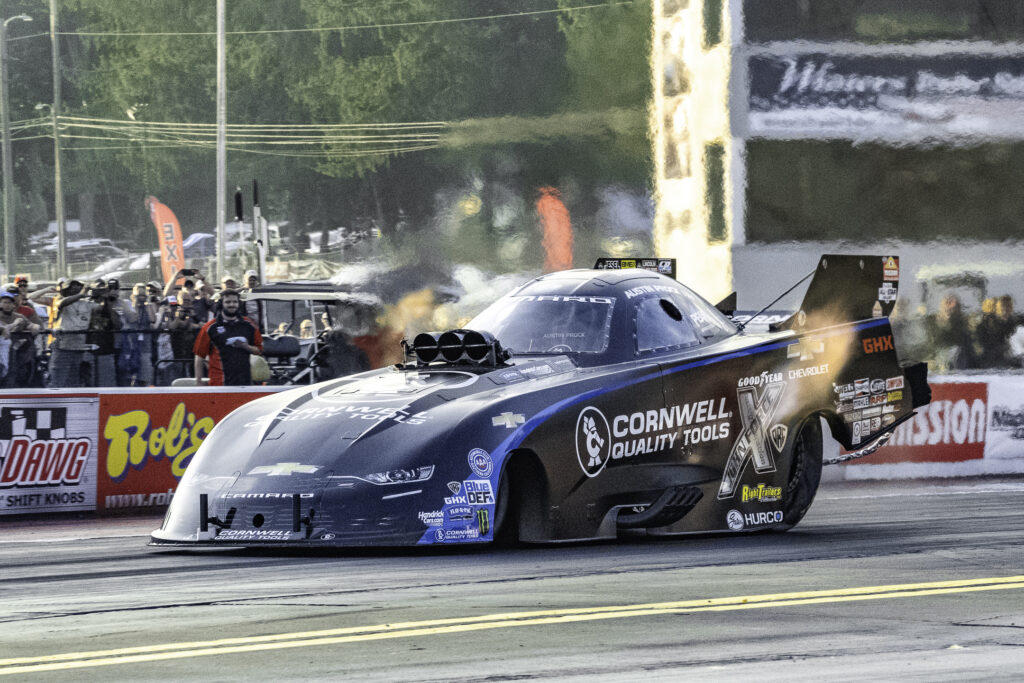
(74, 307)
(103, 323)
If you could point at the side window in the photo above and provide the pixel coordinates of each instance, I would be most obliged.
(661, 325)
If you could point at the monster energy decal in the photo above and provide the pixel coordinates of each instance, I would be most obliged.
(754, 441)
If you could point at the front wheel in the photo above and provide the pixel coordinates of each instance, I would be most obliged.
(804, 471)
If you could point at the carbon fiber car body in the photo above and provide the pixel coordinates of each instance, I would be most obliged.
(722, 434)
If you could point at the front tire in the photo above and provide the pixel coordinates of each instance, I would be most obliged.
(804, 472)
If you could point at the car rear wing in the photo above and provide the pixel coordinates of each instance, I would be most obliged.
(845, 289)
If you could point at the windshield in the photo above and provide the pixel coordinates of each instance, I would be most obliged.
(549, 324)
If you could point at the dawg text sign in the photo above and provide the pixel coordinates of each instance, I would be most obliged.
(47, 454)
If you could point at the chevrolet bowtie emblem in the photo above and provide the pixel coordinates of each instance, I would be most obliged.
(509, 420)
(805, 349)
(282, 469)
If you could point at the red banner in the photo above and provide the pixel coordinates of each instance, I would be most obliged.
(145, 445)
(172, 253)
(952, 428)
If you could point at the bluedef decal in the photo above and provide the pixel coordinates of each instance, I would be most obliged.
(478, 492)
(753, 442)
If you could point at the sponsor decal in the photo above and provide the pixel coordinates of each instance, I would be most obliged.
(872, 412)
(845, 407)
(805, 348)
(351, 412)
(565, 299)
(538, 370)
(862, 387)
(778, 435)
(480, 462)
(877, 344)
(876, 424)
(433, 518)
(891, 269)
(734, 519)
(888, 419)
(894, 383)
(752, 443)
(877, 386)
(859, 403)
(888, 409)
(737, 520)
(395, 386)
(327, 537)
(665, 266)
(455, 500)
(508, 420)
(877, 400)
(257, 496)
(460, 513)
(628, 263)
(762, 380)
(593, 441)
(457, 534)
(507, 376)
(483, 521)
(762, 493)
(800, 373)
(283, 469)
(845, 391)
(887, 293)
(455, 487)
(648, 263)
(252, 535)
(644, 432)
(876, 310)
(478, 492)
(894, 396)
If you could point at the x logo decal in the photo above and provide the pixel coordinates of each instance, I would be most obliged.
(753, 441)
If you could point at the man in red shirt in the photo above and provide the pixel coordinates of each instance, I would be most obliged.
(228, 340)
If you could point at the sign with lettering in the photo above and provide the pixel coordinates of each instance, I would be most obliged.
(145, 445)
(886, 93)
(47, 454)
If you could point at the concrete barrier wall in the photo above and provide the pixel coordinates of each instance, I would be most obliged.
(104, 449)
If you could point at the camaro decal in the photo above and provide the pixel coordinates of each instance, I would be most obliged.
(753, 442)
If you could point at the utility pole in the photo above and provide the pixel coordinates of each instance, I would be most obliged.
(58, 187)
(222, 109)
(8, 159)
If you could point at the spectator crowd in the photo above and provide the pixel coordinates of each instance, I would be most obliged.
(75, 334)
(955, 339)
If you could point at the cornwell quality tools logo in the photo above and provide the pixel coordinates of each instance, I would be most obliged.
(756, 440)
(599, 440)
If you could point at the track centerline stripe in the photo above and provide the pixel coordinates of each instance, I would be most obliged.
(225, 646)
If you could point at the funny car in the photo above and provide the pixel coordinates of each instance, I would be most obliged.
(584, 404)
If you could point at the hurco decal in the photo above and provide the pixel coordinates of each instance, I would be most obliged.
(762, 493)
(132, 439)
(754, 441)
(651, 431)
(737, 520)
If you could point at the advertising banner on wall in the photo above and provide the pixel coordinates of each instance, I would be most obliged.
(145, 445)
(47, 454)
(952, 428)
(886, 93)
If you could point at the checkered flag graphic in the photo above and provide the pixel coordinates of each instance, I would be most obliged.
(38, 424)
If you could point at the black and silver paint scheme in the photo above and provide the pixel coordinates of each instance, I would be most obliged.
(618, 402)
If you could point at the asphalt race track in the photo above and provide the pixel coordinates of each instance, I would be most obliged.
(881, 581)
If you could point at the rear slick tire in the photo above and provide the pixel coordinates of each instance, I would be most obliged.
(804, 472)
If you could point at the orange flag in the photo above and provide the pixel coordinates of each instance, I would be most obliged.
(172, 253)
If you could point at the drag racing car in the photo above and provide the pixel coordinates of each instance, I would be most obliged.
(583, 405)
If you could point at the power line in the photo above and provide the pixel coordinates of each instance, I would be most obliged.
(358, 27)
